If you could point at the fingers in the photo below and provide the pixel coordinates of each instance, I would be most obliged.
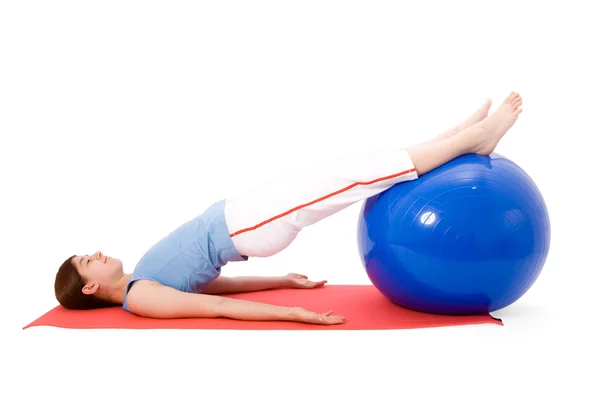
(334, 319)
(301, 282)
(328, 319)
(315, 284)
(308, 283)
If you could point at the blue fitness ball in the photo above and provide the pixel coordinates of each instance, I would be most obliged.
(469, 237)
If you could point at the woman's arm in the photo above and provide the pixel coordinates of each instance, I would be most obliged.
(239, 284)
(150, 299)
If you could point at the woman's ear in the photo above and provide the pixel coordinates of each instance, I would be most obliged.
(90, 288)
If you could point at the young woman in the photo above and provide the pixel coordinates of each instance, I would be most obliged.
(179, 276)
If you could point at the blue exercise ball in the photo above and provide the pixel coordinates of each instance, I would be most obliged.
(469, 237)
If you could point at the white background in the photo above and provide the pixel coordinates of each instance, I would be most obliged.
(122, 119)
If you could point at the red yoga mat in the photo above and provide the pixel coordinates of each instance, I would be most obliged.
(364, 307)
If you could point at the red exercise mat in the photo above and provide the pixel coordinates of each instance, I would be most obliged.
(362, 305)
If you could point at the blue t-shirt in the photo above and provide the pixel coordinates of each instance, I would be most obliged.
(191, 256)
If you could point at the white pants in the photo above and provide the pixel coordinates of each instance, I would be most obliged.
(267, 219)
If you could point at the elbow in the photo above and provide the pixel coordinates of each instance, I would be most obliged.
(215, 307)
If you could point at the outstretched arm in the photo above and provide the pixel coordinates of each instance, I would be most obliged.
(150, 299)
(239, 284)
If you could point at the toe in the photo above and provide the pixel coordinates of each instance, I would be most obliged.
(517, 99)
(517, 104)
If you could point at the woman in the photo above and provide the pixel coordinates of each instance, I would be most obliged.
(179, 276)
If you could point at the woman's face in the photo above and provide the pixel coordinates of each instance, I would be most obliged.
(98, 271)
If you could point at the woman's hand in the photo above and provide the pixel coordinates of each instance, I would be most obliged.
(153, 300)
(299, 281)
(309, 317)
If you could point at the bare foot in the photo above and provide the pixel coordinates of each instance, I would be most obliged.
(477, 116)
(486, 134)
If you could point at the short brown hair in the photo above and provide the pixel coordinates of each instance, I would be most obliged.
(68, 286)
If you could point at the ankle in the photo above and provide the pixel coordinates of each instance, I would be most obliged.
(469, 139)
(474, 139)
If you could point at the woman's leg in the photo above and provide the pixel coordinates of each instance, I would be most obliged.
(267, 219)
(479, 138)
(479, 115)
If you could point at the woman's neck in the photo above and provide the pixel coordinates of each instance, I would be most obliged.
(117, 293)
